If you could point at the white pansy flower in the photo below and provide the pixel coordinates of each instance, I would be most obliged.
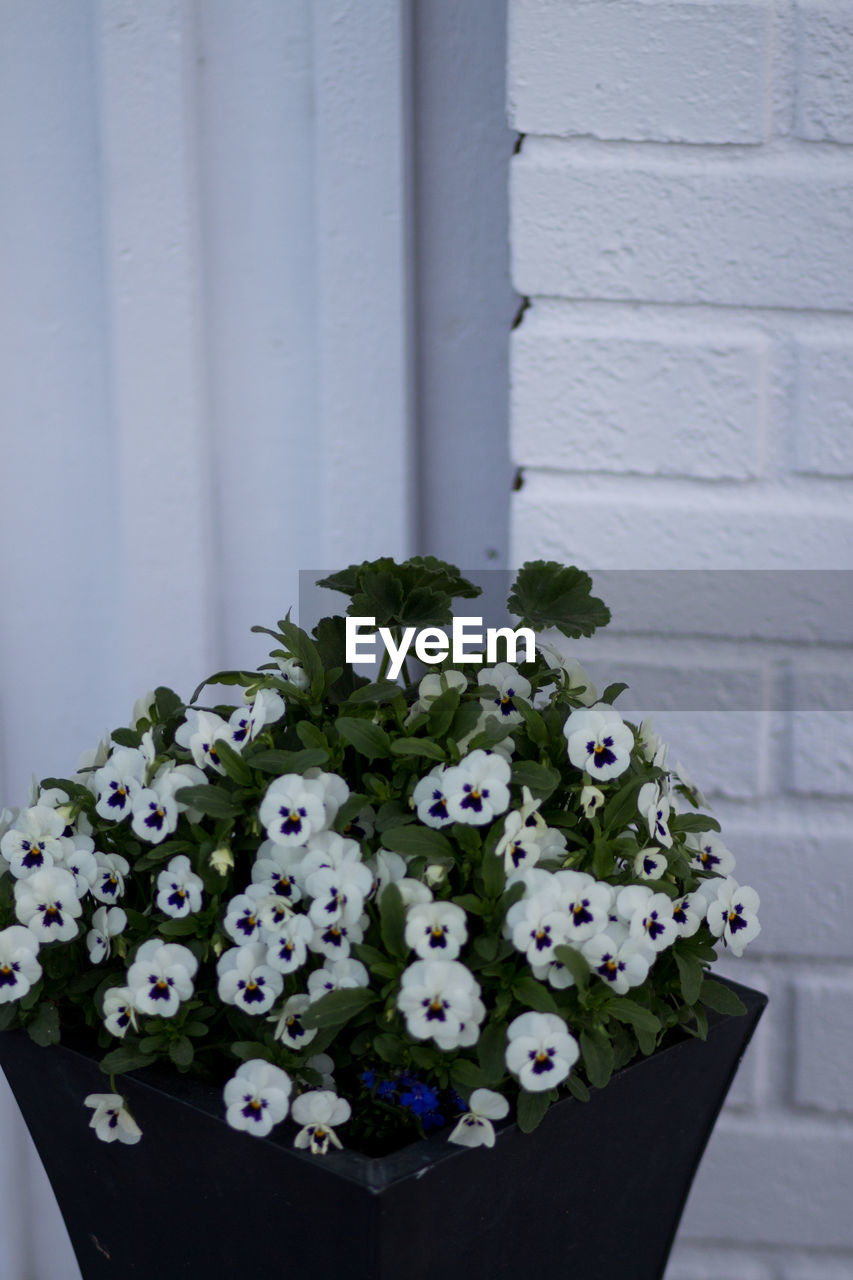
(318, 1111)
(288, 950)
(541, 1050)
(154, 814)
(111, 1119)
(504, 748)
(337, 975)
(655, 809)
(621, 965)
(573, 678)
(143, 709)
(107, 923)
(34, 841)
(435, 684)
(441, 999)
(324, 1066)
(586, 901)
(336, 791)
(475, 1128)
(292, 809)
(708, 853)
(598, 741)
(292, 671)
(161, 977)
(245, 723)
(591, 801)
(119, 1013)
(109, 882)
(275, 867)
(648, 915)
(117, 782)
(199, 735)
(430, 799)
(733, 915)
(436, 929)
(650, 863)
(688, 912)
(288, 1023)
(77, 855)
(683, 779)
(477, 789)
(47, 904)
(510, 686)
(652, 748)
(334, 940)
(243, 920)
(172, 778)
(538, 926)
(413, 891)
(19, 968)
(327, 850)
(179, 889)
(387, 868)
(257, 1097)
(247, 980)
(338, 892)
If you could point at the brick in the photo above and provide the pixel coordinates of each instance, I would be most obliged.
(654, 400)
(817, 1268)
(774, 1181)
(824, 1042)
(799, 861)
(600, 523)
(821, 748)
(825, 70)
(592, 222)
(657, 71)
(824, 406)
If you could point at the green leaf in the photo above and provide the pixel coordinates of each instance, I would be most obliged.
(125, 1058)
(575, 963)
(621, 807)
(337, 1007)
(541, 779)
(534, 995)
(167, 702)
(181, 1051)
(577, 1088)
(721, 999)
(367, 738)
(611, 693)
(178, 928)
(246, 1050)
(491, 1048)
(531, 1109)
(392, 921)
(417, 747)
(375, 694)
(390, 1049)
(465, 721)
(635, 1015)
(212, 800)
(418, 841)
(43, 1028)
(303, 648)
(126, 737)
(533, 723)
(494, 876)
(442, 711)
(466, 1074)
(243, 678)
(647, 1040)
(233, 763)
(693, 822)
(310, 736)
(691, 973)
(547, 594)
(281, 762)
(597, 1056)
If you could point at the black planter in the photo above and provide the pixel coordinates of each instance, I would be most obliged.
(595, 1193)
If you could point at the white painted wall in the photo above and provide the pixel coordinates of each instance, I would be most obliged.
(231, 326)
(682, 221)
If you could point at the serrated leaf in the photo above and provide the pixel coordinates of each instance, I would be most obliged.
(368, 739)
(720, 998)
(534, 995)
(212, 800)
(548, 594)
(597, 1056)
(392, 921)
(531, 1109)
(337, 1007)
(541, 779)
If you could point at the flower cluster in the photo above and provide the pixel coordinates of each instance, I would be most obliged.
(393, 905)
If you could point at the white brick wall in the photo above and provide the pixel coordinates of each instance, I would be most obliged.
(682, 383)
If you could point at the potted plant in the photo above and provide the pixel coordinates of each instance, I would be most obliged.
(388, 927)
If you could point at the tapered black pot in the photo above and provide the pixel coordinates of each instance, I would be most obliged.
(595, 1193)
